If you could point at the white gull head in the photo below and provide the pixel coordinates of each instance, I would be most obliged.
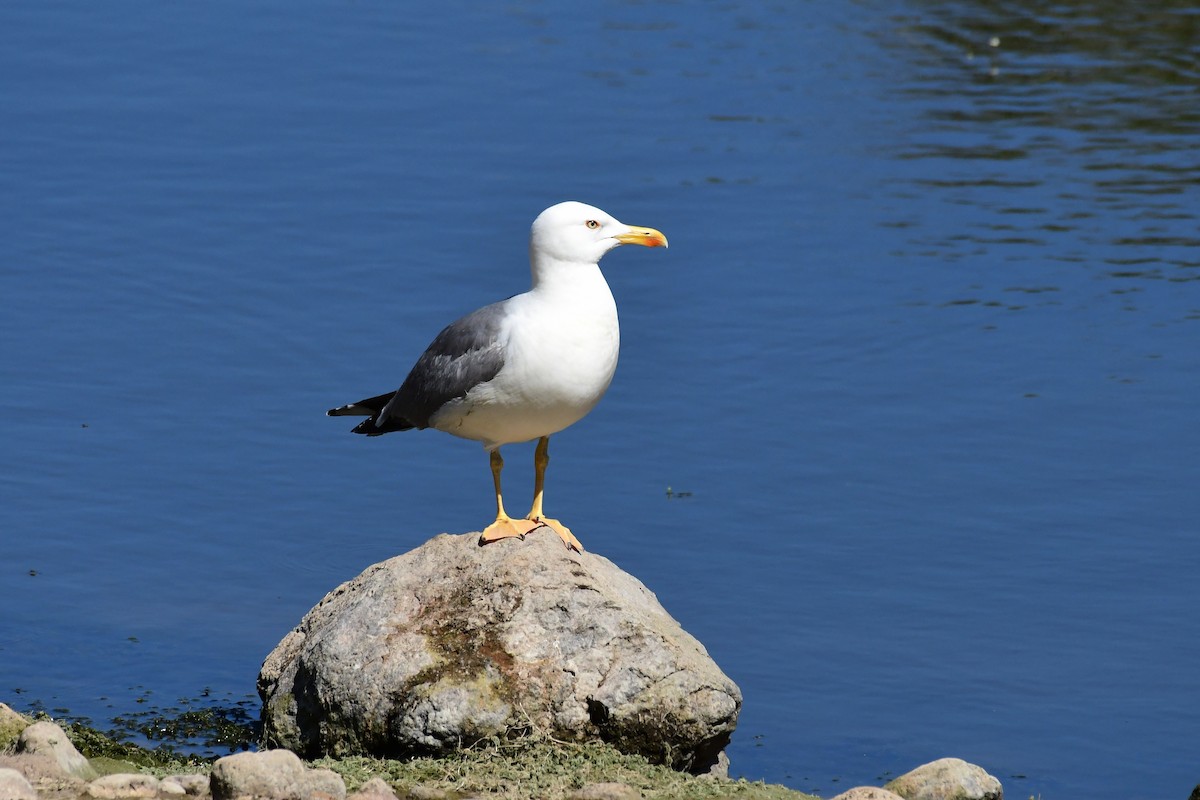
(576, 233)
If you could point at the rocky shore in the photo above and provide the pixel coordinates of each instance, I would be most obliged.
(517, 670)
(39, 761)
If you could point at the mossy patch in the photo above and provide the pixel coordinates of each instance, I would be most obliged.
(11, 725)
(499, 768)
(465, 648)
(467, 654)
(547, 769)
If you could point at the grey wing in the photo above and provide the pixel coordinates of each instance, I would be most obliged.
(466, 353)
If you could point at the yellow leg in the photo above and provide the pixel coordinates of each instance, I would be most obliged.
(505, 526)
(541, 459)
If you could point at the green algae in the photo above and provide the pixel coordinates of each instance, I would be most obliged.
(500, 767)
(544, 768)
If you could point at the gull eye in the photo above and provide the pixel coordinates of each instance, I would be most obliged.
(591, 223)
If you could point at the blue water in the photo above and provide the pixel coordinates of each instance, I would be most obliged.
(925, 350)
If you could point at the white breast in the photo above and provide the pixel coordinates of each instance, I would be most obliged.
(561, 342)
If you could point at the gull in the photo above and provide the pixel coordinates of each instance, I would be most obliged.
(523, 368)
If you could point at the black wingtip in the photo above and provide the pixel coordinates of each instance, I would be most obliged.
(373, 427)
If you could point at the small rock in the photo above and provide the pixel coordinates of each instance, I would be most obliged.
(46, 738)
(374, 789)
(41, 770)
(868, 793)
(171, 788)
(193, 785)
(13, 785)
(273, 775)
(720, 768)
(111, 787)
(947, 779)
(11, 725)
(427, 793)
(606, 791)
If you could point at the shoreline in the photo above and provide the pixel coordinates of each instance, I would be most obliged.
(41, 760)
(530, 766)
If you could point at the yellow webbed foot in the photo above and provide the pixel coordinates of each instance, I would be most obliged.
(505, 528)
(563, 532)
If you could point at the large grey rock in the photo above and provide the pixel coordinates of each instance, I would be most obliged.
(273, 775)
(452, 643)
(13, 786)
(947, 779)
(46, 738)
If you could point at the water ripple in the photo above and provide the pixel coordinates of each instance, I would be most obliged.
(1054, 133)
